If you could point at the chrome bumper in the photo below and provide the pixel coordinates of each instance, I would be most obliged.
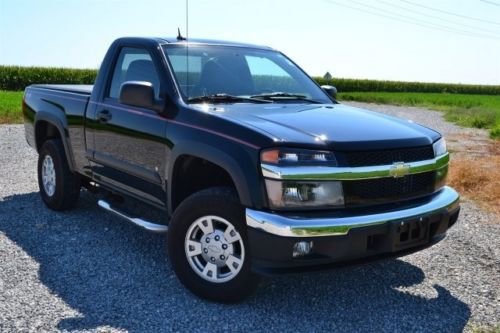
(446, 200)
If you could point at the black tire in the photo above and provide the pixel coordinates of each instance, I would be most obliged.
(223, 203)
(67, 184)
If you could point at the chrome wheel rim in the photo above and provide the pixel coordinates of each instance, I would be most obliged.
(48, 176)
(214, 249)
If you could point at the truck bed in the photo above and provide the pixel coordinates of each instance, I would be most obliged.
(63, 105)
(85, 89)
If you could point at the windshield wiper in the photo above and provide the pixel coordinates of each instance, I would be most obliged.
(285, 96)
(221, 98)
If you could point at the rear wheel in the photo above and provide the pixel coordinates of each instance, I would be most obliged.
(208, 247)
(59, 187)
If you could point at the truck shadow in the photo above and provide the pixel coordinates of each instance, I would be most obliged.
(117, 275)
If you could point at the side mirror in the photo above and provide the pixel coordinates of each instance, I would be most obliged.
(138, 93)
(330, 90)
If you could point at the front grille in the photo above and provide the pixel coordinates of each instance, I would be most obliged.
(385, 190)
(385, 157)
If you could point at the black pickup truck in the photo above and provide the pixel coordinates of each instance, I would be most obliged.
(254, 168)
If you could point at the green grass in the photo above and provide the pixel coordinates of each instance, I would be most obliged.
(10, 107)
(479, 111)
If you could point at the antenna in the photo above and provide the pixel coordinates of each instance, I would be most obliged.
(187, 48)
(179, 36)
(187, 19)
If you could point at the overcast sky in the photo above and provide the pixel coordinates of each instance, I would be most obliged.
(412, 40)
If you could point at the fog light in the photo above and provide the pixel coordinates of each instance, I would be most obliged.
(302, 248)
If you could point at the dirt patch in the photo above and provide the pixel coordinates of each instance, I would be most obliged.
(477, 178)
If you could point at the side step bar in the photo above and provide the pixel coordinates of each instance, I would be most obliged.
(135, 220)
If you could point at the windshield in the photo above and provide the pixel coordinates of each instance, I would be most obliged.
(239, 75)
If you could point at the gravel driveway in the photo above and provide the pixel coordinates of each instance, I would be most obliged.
(86, 270)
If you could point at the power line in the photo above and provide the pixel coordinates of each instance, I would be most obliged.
(416, 19)
(491, 2)
(397, 18)
(438, 17)
(430, 23)
(450, 13)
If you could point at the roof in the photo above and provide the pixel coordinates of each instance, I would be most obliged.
(174, 40)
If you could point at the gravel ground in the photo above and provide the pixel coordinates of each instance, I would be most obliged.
(86, 270)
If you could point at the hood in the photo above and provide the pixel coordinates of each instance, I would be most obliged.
(336, 126)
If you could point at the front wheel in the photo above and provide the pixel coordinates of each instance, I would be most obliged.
(208, 247)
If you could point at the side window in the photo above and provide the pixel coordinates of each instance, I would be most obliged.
(134, 65)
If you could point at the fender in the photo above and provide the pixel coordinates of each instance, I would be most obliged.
(217, 157)
(61, 124)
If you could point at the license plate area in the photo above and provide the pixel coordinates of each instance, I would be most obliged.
(409, 233)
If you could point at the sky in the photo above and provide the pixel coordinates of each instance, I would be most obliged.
(456, 41)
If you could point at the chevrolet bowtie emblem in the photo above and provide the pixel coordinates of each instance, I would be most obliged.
(399, 169)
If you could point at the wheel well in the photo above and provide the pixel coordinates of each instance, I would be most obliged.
(45, 131)
(192, 174)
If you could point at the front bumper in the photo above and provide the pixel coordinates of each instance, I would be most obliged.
(343, 236)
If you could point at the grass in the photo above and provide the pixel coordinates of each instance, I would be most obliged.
(479, 111)
(10, 107)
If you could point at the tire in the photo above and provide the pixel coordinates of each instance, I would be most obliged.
(61, 188)
(232, 280)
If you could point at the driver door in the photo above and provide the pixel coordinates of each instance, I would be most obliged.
(129, 141)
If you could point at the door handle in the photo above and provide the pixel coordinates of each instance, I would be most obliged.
(104, 116)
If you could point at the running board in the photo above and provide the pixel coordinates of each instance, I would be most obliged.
(135, 220)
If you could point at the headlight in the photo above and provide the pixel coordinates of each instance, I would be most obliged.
(439, 147)
(296, 194)
(304, 194)
(291, 156)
